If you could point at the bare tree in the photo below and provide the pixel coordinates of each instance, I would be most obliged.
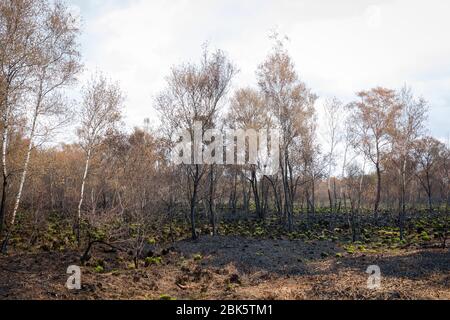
(354, 184)
(427, 153)
(56, 65)
(194, 94)
(249, 112)
(373, 118)
(407, 130)
(334, 119)
(51, 64)
(20, 24)
(291, 104)
(100, 113)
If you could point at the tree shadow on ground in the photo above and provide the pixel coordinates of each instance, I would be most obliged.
(283, 257)
(416, 265)
(289, 258)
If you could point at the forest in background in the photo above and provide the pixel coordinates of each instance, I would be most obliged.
(374, 180)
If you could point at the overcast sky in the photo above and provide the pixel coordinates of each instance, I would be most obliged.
(339, 47)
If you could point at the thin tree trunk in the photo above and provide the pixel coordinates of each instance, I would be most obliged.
(336, 209)
(276, 196)
(254, 183)
(194, 203)
(211, 202)
(233, 195)
(330, 197)
(25, 168)
(265, 192)
(313, 195)
(80, 204)
(330, 200)
(4, 168)
(245, 194)
(355, 215)
(5, 177)
(403, 201)
(286, 189)
(343, 190)
(3, 201)
(429, 193)
(378, 196)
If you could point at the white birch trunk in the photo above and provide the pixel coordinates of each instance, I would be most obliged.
(4, 167)
(25, 167)
(4, 148)
(83, 183)
(5, 143)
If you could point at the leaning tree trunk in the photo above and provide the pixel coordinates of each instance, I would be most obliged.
(25, 169)
(18, 196)
(80, 204)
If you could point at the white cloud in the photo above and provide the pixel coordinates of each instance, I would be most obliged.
(339, 47)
